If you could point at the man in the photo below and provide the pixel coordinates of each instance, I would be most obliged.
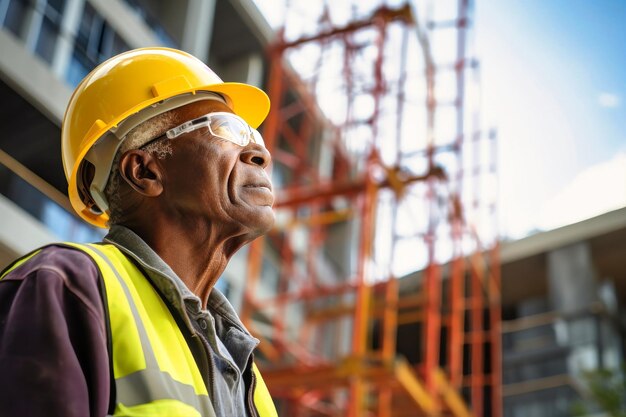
(158, 148)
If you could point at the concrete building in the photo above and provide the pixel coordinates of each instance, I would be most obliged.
(563, 293)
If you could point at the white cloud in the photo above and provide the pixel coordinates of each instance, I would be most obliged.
(609, 100)
(596, 190)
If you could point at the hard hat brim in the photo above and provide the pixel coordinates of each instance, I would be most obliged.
(248, 102)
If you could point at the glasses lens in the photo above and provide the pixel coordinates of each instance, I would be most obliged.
(257, 138)
(226, 126)
(230, 128)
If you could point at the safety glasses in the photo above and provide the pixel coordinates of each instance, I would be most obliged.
(221, 125)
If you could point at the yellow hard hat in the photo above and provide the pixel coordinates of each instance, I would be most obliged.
(122, 93)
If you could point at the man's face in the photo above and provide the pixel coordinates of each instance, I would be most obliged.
(218, 181)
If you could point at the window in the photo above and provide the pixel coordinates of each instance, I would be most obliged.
(37, 22)
(152, 22)
(50, 30)
(95, 42)
(14, 14)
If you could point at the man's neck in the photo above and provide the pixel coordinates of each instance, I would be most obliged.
(198, 254)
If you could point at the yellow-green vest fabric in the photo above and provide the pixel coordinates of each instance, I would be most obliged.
(154, 370)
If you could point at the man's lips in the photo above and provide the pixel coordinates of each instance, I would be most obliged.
(261, 192)
(261, 184)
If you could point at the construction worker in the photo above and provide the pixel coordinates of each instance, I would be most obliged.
(163, 152)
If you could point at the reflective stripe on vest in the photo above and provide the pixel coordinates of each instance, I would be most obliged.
(154, 370)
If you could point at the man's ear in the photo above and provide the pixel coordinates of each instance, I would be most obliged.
(142, 172)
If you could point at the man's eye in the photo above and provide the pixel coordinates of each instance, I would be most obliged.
(222, 131)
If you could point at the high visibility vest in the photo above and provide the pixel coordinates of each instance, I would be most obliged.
(153, 367)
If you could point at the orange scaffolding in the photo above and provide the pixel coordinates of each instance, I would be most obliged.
(381, 291)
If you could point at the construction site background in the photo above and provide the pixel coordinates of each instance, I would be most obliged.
(383, 289)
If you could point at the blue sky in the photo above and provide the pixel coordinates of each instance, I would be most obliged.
(553, 74)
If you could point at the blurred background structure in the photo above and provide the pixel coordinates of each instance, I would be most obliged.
(385, 288)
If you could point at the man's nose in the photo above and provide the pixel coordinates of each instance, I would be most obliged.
(256, 154)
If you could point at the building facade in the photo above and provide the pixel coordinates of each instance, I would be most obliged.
(563, 293)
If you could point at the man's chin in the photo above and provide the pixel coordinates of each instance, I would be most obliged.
(266, 220)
